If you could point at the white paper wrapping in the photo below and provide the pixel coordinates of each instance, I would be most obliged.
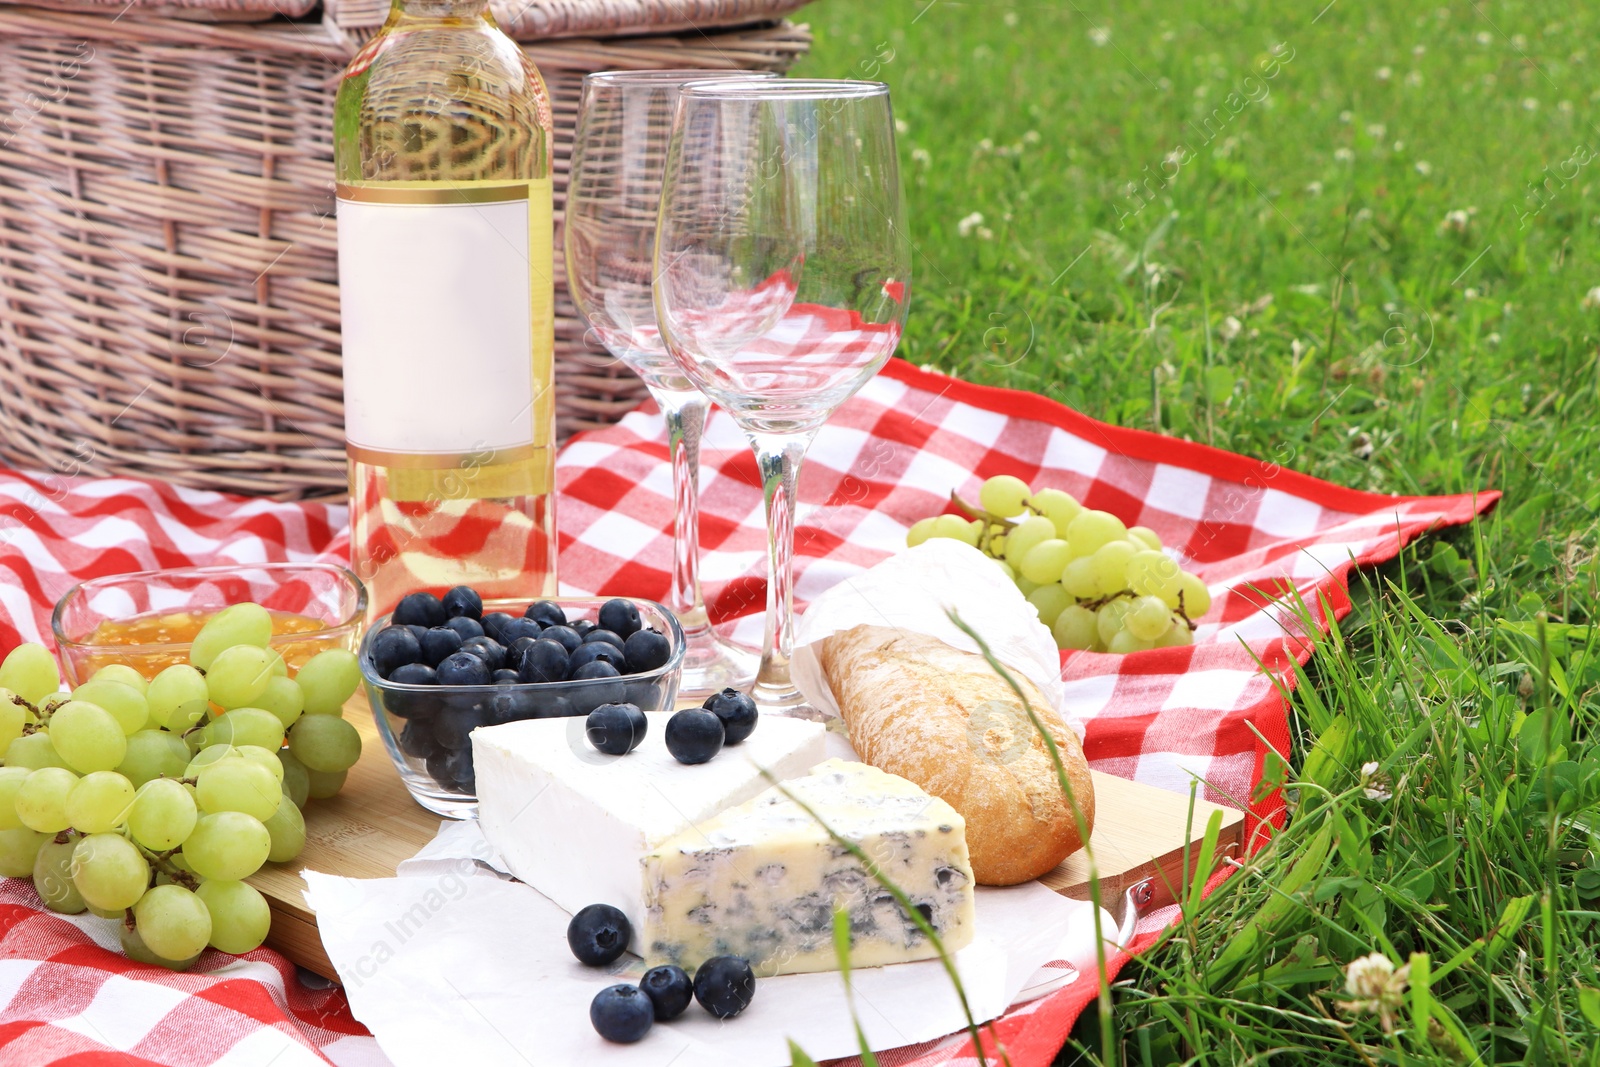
(914, 591)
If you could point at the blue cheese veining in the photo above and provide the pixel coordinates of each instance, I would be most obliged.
(762, 880)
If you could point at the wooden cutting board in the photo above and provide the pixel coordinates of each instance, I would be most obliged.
(1140, 835)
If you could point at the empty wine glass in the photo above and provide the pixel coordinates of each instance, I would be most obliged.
(619, 147)
(782, 265)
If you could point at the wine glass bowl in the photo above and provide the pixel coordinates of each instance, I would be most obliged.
(782, 273)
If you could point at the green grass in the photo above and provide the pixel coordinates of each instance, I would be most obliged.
(1303, 286)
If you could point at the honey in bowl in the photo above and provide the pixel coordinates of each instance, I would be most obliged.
(150, 643)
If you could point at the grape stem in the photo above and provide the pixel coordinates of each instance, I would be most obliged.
(162, 862)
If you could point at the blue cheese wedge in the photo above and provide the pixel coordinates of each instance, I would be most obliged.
(576, 824)
(763, 880)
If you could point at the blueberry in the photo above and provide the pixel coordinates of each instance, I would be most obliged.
(694, 735)
(504, 676)
(553, 706)
(452, 726)
(463, 668)
(607, 636)
(599, 934)
(566, 635)
(518, 628)
(459, 768)
(669, 990)
(546, 613)
(737, 712)
(414, 674)
(616, 729)
(597, 650)
(417, 632)
(621, 617)
(601, 690)
(493, 624)
(591, 670)
(725, 985)
(543, 661)
(394, 646)
(417, 740)
(438, 766)
(622, 1013)
(516, 650)
(582, 627)
(463, 601)
(419, 609)
(487, 649)
(647, 650)
(438, 643)
(466, 627)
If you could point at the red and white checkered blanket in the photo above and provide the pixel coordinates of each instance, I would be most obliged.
(1254, 530)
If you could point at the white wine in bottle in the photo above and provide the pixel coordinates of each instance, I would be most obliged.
(442, 157)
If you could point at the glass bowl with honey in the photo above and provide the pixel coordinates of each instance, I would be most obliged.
(147, 619)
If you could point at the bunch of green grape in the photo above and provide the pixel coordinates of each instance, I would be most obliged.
(150, 801)
(1097, 584)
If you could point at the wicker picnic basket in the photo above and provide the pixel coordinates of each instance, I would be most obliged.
(169, 302)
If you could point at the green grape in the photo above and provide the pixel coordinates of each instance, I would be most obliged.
(239, 675)
(1078, 578)
(1026, 586)
(246, 726)
(178, 697)
(1196, 597)
(153, 754)
(1152, 573)
(1059, 507)
(323, 784)
(109, 872)
(328, 679)
(265, 757)
(1108, 620)
(52, 877)
(135, 949)
(122, 674)
(240, 916)
(296, 779)
(108, 913)
(1021, 539)
(287, 828)
(126, 704)
(19, 849)
(1090, 530)
(42, 800)
(1178, 636)
(227, 845)
(173, 922)
(279, 668)
(239, 785)
(1005, 568)
(1045, 561)
(87, 737)
(956, 528)
(920, 531)
(13, 717)
(1123, 642)
(284, 699)
(1109, 565)
(1148, 618)
(1050, 600)
(1003, 495)
(34, 751)
(1146, 537)
(324, 743)
(240, 624)
(30, 672)
(11, 779)
(1075, 628)
(163, 815)
(50, 704)
(99, 802)
(206, 757)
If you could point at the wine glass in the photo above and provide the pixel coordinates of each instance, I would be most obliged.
(619, 147)
(782, 265)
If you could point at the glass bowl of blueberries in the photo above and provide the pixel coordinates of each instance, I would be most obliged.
(439, 667)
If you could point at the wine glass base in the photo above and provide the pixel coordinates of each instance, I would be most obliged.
(711, 665)
(778, 698)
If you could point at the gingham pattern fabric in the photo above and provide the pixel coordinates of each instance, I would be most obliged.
(1256, 532)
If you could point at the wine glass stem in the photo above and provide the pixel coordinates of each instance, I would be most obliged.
(778, 458)
(685, 414)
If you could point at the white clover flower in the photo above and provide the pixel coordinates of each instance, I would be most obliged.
(921, 156)
(1346, 115)
(1031, 137)
(1374, 783)
(1424, 168)
(970, 223)
(1484, 38)
(1413, 79)
(1591, 299)
(902, 127)
(1470, 293)
(1230, 328)
(1456, 220)
(1530, 104)
(1419, 50)
(1492, 340)
(1518, 41)
(1376, 987)
(1376, 131)
(984, 233)
(1314, 188)
(1564, 106)
(1343, 155)
(1384, 74)
(985, 146)
(1010, 19)
(1100, 36)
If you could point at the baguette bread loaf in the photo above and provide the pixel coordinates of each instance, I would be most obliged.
(945, 720)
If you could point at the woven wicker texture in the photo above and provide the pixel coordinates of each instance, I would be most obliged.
(169, 301)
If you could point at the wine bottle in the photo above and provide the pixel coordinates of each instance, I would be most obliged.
(442, 158)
